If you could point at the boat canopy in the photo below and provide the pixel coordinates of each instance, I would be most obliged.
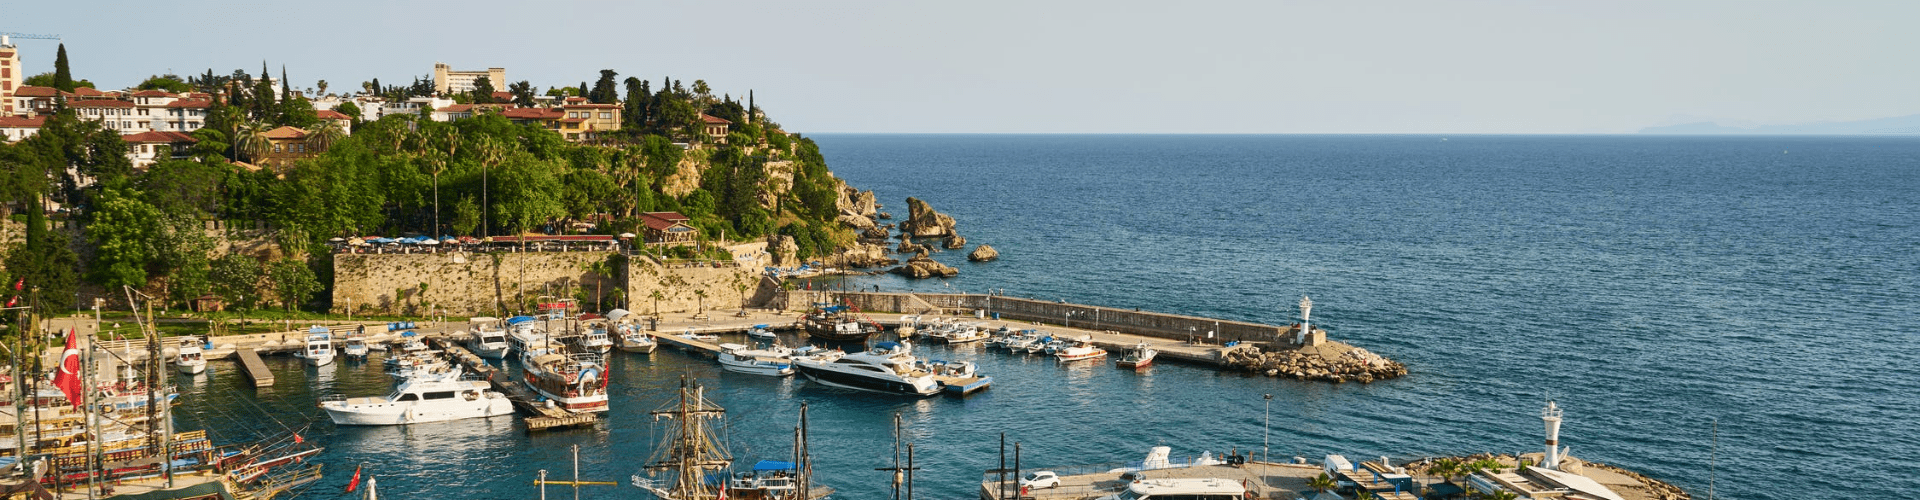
(834, 309)
(761, 326)
(519, 319)
(886, 346)
(767, 465)
(319, 329)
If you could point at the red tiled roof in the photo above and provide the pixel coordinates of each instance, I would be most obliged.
(666, 216)
(101, 103)
(502, 96)
(90, 92)
(22, 122)
(714, 119)
(287, 133)
(576, 99)
(657, 224)
(153, 93)
(590, 106)
(532, 113)
(457, 108)
(35, 91)
(328, 114)
(191, 103)
(158, 137)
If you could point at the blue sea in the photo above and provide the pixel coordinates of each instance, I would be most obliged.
(1733, 311)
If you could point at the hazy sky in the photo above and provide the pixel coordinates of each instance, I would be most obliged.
(1323, 66)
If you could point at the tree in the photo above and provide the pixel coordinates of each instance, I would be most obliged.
(351, 110)
(1322, 483)
(236, 279)
(46, 261)
(293, 282)
(323, 87)
(522, 93)
(185, 187)
(168, 82)
(322, 135)
(252, 141)
(482, 90)
(62, 75)
(604, 91)
(122, 233)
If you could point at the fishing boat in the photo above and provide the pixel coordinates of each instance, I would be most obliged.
(576, 382)
(355, 348)
(1140, 356)
(774, 361)
(594, 338)
(191, 360)
(888, 367)
(421, 400)
(1079, 351)
(486, 338)
(967, 333)
(319, 347)
(836, 323)
(632, 339)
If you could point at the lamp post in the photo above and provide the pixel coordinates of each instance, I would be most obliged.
(1266, 431)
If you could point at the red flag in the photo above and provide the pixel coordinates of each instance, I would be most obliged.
(297, 439)
(355, 483)
(17, 285)
(68, 380)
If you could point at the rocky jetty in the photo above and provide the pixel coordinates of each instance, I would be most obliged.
(954, 242)
(1628, 484)
(923, 222)
(921, 266)
(1329, 361)
(983, 253)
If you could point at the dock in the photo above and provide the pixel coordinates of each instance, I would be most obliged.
(1263, 480)
(255, 368)
(691, 346)
(961, 386)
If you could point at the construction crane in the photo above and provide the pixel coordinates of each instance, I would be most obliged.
(5, 35)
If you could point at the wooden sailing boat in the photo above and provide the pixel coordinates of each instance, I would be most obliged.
(688, 450)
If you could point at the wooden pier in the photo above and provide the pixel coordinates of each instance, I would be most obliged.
(691, 346)
(255, 368)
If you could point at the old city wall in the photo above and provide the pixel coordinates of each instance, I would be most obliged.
(476, 284)
(1171, 326)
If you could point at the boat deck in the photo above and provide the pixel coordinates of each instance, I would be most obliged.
(539, 416)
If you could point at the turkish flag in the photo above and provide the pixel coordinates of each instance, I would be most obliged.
(68, 380)
(355, 483)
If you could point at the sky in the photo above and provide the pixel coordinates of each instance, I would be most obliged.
(991, 66)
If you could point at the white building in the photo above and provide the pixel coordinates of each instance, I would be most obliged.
(447, 80)
(10, 76)
(412, 106)
(15, 128)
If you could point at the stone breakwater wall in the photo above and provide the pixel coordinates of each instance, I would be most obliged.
(1330, 361)
(482, 284)
(1150, 324)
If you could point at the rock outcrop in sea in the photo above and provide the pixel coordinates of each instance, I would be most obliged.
(983, 253)
(862, 255)
(954, 242)
(923, 222)
(921, 266)
(1327, 360)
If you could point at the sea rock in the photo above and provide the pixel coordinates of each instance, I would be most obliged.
(859, 222)
(954, 242)
(908, 246)
(983, 253)
(883, 215)
(921, 267)
(855, 202)
(923, 222)
(875, 233)
(862, 255)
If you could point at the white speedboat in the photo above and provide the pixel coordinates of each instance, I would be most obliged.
(410, 366)
(1080, 351)
(703, 337)
(774, 361)
(762, 332)
(421, 400)
(486, 338)
(1140, 356)
(191, 360)
(888, 367)
(319, 347)
(965, 333)
(633, 339)
(355, 348)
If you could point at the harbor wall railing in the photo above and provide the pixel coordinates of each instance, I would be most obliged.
(1153, 324)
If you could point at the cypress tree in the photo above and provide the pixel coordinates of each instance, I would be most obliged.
(62, 75)
(286, 93)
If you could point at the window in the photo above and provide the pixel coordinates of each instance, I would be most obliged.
(409, 397)
(276, 148)
(440, 395)
(606, 116)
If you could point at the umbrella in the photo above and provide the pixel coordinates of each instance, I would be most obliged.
(626, 235)
(336, 239)
(429, 242)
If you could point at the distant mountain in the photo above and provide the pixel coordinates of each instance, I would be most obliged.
(1896, 125)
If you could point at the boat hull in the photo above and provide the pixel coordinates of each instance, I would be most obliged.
(192, 368)
(639, 347)
(1134, 363)
(391, 414)
(851, 381)
(495, 351)
(755, 368)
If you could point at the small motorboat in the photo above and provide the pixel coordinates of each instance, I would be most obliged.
(632, 339)
(191, 360)
(319, 347)
(762, 332)
(774, 361)
(703, 337)
(356, 348)
(962, 334)
(1140, 356)
(1080, 351)
(486, 338)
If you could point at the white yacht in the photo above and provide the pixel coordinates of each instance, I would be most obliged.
(524, 333)
(486, 338)
(774, 361)
(319, 347)
(762, 332)
(191, 360)
(887, 367)
(421, 400)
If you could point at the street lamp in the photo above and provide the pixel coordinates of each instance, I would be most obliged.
(1265, 433)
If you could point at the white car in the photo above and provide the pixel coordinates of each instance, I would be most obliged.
(1040, 480)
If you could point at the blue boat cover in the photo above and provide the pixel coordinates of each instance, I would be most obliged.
(319, 329)
(834, 309)
(767, 465)
(409, 333)
(519, 319)
(886, 345)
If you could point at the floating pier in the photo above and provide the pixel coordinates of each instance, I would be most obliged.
(539, 417)
(255, 368)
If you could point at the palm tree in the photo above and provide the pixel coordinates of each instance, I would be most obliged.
(252, 141)
(1322, 483)
(702, 309)
(322, 136)
(1446, 468)
(603, 269)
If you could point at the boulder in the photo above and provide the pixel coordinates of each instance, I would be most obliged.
(859, 222)
(954, 242)
(875, 233)
(908, 246)
(862, 255)
(923, 222)
(883, 215)
(921, 267)
(983, 253)
(855, 202)
(785, 251)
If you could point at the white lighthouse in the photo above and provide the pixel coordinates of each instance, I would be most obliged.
(1306, 309)
(1554, 452)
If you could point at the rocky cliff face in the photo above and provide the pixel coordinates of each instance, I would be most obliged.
(924, 222)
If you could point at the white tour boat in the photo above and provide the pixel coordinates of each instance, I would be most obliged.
(421, 400)
(319, 347)
(486, 338)
(774, 361)
(191, 360)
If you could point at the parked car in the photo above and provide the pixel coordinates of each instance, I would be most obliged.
(1040, 480)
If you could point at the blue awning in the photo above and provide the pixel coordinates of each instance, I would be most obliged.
(767, 465)
(519, 319)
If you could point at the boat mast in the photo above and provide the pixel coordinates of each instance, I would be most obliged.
(691, 451)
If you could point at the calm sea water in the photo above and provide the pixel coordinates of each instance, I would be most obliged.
(1651, 285)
